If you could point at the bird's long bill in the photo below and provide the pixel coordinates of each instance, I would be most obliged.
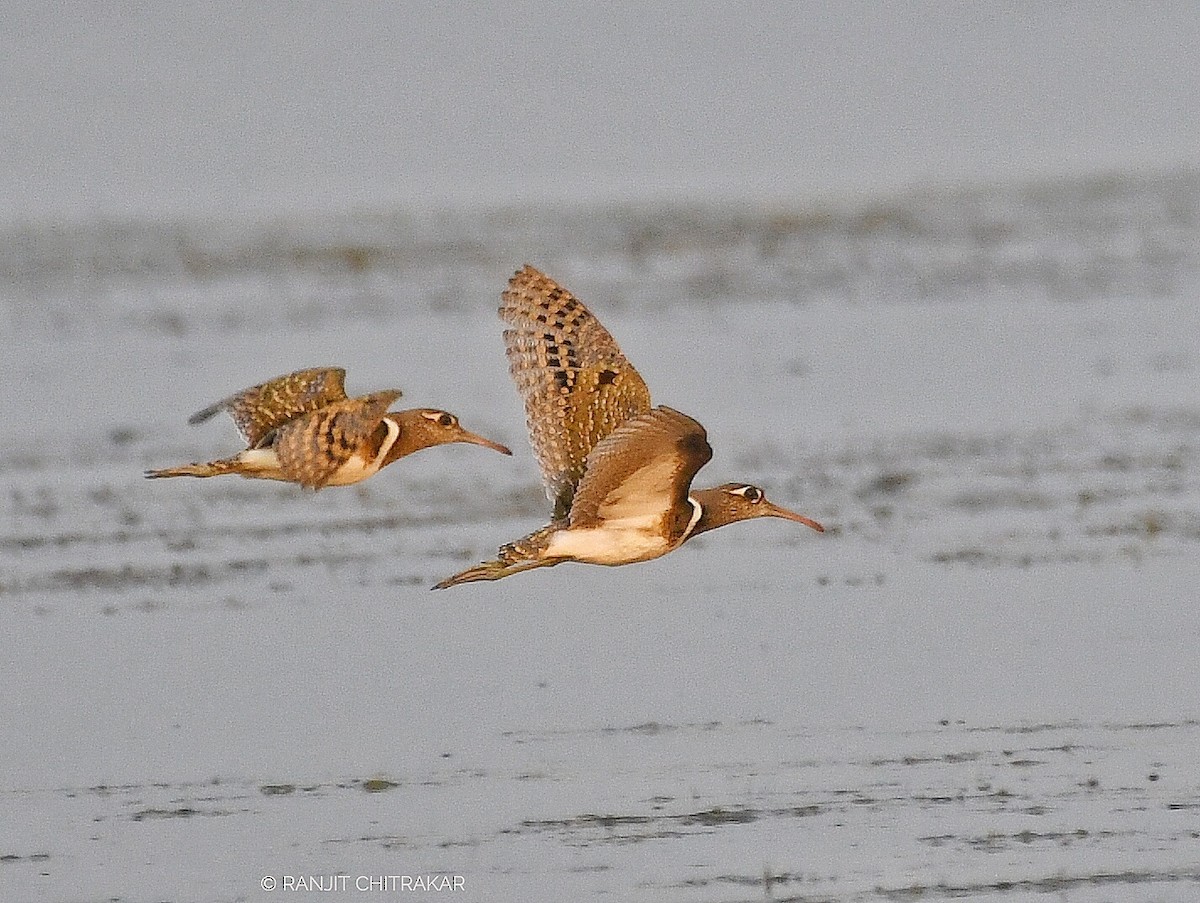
(476, 439)
(771, 510)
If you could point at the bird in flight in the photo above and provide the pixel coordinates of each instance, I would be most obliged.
(617, 470)
(302, 428)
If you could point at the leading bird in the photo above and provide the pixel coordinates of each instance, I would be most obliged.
(618, 471)
(302, 428)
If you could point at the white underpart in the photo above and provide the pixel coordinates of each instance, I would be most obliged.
(622, 540)
(355, 470)
(262, 462)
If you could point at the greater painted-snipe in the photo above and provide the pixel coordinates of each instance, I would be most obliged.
(618, 471)
(302, 428)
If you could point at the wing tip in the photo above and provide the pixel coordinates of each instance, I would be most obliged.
(207, 413)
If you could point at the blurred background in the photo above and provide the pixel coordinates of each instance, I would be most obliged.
(166, 110)
(927, 272)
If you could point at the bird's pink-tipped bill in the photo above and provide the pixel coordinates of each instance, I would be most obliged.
(772, 510)
(476, 439)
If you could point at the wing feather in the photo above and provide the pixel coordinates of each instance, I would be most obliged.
(642, 469)
(262, 409)
(576, 384)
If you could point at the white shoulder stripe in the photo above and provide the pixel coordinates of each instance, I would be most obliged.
(697, 513)
(386, 445)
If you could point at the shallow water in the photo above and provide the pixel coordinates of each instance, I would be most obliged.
(979, 683)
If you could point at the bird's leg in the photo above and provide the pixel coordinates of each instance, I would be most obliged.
(522, 555)
(255, 463)
(495, 570)
(206, 469)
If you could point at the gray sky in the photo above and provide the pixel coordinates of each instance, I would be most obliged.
(126, 108)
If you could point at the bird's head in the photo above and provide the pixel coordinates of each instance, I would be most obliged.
(427, 427)
(733, 502)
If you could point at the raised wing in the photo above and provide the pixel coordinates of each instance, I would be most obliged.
(576, 384)
(312, 447)
(642, 469)
(262, 409)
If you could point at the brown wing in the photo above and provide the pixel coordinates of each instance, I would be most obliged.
(576, 384)
(312, 447)
(643, 468)
(261, 409)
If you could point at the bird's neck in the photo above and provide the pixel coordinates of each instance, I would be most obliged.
(410, 435)
(708, 501)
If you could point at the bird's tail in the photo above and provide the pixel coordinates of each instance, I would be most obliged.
(206, 469)
(522, 555)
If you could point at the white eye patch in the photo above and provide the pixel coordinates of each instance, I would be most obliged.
(751, 494)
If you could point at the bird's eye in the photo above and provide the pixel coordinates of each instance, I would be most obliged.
(445, 420)
(752, 494)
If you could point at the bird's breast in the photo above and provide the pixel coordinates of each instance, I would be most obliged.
(366, 462)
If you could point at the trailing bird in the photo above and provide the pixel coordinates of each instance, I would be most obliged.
(617, 470)
(302, 428)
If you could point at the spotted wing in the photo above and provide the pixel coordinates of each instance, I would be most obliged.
(642, 469)
(261, 409)
(576, 384)
(312, 447)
